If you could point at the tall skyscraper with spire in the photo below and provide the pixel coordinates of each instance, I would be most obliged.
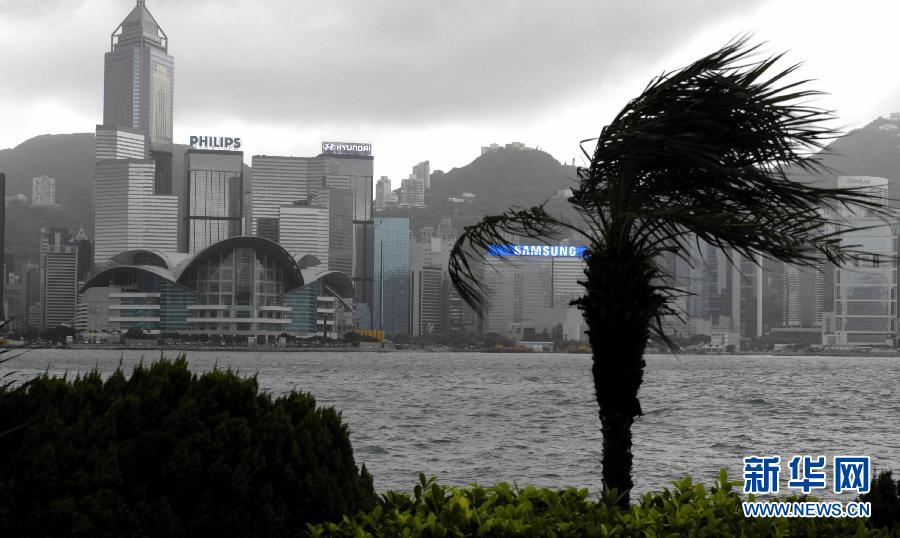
(139, 79)
(134, 203)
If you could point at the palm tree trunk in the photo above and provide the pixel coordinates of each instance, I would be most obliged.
(617, 309)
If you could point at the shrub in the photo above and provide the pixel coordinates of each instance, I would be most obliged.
(885, 498)
(166, 452)
(686, 510)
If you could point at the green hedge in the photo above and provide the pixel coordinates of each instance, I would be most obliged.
(686, 510)
(169, 453)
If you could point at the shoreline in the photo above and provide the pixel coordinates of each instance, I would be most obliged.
(357, 349)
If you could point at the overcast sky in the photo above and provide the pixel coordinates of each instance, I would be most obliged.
(423, 79)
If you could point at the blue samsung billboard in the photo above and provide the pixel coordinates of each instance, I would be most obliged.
(556, 251)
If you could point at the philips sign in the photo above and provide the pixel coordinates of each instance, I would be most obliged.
(346, 148)
(216, 142)
(556, 251)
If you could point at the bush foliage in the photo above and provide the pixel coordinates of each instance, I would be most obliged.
(885, 498)
(169, 453)
(686, 510)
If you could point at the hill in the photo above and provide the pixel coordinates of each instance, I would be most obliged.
(70, 159)
(499, 179)
(872, 150)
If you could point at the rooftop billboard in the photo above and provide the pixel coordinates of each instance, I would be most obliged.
(347, 148)
(556, 251)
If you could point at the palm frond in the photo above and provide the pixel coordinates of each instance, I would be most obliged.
(707, 150)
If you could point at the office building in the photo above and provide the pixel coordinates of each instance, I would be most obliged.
(339, 203)
(280, 181)
(139, 78)
(423, 171)
(500, 299)
(32, 292)
(565, 275)
(43, 190)
(353, 163)
(306, 230)
(85, 254)
(128, 214)
(426, 301)
(134, 202)
(865, 292)
(59, 278)
(139, 87)
(213, 197)
(391, 301)
(323, 181)
(14, 303)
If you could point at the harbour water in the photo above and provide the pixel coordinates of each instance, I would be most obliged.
(532, 418)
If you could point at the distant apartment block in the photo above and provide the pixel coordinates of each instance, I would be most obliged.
(412, 192)
(43, 190)
(423, 171)
(384, 196)
(512, 145)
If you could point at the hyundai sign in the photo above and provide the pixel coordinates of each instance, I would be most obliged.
(347, 148)
(556, 251)
(226, 143)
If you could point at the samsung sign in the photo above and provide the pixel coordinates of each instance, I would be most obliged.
(557, 251)
(216, 142)
(346, 148)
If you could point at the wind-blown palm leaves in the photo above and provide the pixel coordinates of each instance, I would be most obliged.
(702, 154)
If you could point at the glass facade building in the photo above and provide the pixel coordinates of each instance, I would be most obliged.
(865, 291)
(213, 196)
(391, 286)
(135, 205)
(139, 78)
(241, 286)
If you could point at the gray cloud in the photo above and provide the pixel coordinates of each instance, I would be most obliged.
(392, 62)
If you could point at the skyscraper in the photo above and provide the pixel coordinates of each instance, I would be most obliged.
(391, 301)
(139, 79)
(127, 212)
(214, 193)
(356, 167)
(134, 205)
(59, 278)
(305, 230)
(865, 291)
(280, 181)
(85, 254)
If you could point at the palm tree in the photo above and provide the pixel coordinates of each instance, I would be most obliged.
(703, 153)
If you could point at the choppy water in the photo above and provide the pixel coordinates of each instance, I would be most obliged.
(532, 418)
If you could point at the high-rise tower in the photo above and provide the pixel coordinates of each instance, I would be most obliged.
(134, 202)
(139, 78)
